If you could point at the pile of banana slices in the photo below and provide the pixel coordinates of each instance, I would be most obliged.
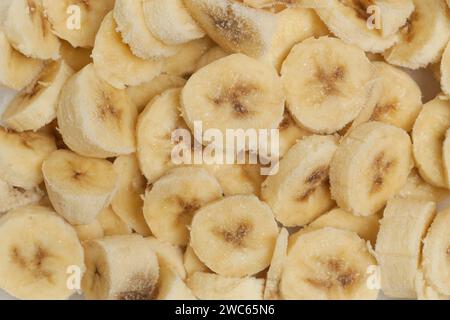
(91, 201)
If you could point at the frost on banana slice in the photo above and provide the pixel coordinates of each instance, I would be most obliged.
(234, 236)
(370, 166)
(272, 286)
(114, 61)
(95, 119)
(90, 231)
(213, 54)
(417, 188)
(35, 106)
(14, 197)
(192, 263)
(89, 12)
(173, 199)
(423, 38)
(38, 247)
(120, 268)
(169, 256)
(79, 188)
(171, 286)
(327, 83)
(209, 286)
(428, 134)
(22, 155)
(112, 224)
(399, 244)
(445, 71)
(76, 58)
(328, 264)
(300, 192)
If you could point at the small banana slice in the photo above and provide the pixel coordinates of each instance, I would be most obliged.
(38, 248)
(370, 166)
(289, 133)
(79, 188)
(213, 54)
(417, 188)
(171, 286)
(89, 12)
(35, 106)
(209, 286)
(235, 236)
(120, 268)
(13, 197)
(112, 224)
(90, 231)
(423, 38)
(114, 61)
(192, 263)
(399, 244)
(95, 119)
(444, 71)
(76, 58)
(327, 83)
(169, 256)
(425, 291)
(272, 286)
(328, 264)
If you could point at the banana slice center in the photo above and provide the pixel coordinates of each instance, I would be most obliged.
(317, 178)
(329, 79)
(382, 167)
(235, 97)
(35, 264)
(336, 275)
(235, 236)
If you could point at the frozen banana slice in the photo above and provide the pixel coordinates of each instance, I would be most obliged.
(15, 197)
(272, 286)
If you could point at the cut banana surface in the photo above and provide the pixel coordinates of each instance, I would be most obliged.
(15, 197)
(272, 286)
(445, 70)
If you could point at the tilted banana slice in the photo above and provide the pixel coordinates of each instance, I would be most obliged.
(444, 70)
(370, 166)
(425, 291)
(114, 61)
(120, 268)
(417, 188)
(79, 188)
(35, 106)
(90, 231)
(171, 286)
(169, 256)
(399, 244)
(192, 263)
(327, 83)
(76, 58)
(112, 224)
(289, 133)
(234, 236)
(95, 119)
(13, 197)
(328, 264)
(37, 253)
(272, 286)
(213, 54)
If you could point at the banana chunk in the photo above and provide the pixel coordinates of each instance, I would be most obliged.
(272, 286)
(90, 231)
(417, 188)
(171, 286)
(13, 197)
(425, 291)
(169, 256)
(112, 224)
(38, 249)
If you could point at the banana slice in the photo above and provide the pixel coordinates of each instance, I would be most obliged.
(90, 231)
(114, 61)
(169, 256)
(289, 133)
(417, 188)
(328, 264)
(22, 155)
(112, 224)
(234, 236)
(38, 247)
(192, 263)
(95, 119)
(213, 54)
(327, 83)
(172, 201)
(209, 286)
(91, 14)
(446, 156)
(127, 203)
(35, 107)
(272, 286)
(423, 38)
(120, 268)
(370, 166)
(428, 134)
(171, 286)
(300, 192)
(399, 244)
(425, 291)
(76, 58)
(444, 70)
(13, 197)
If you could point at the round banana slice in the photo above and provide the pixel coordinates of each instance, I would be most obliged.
(114, 61)
(38, 250)
(173, 199)
(272, 286)
(79, 188)
(90, 231)
(112, 224)
(235, 236)
(327, 83)
(300, 192)
(328, 264)
(95, 119)
(120, 268)
(445, 70)
(399, 244)
(76, 58)
(192, 263)
(13, 197)
(417, 188)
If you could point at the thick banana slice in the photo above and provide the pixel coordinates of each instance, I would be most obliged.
(120, 268)
(173, 199)
(423, 38)
(79, 188)
(328, 264)
(13, 197)
(21, 157)
(192, 263)
(370, 166)
(90, 231)
(38, 249)
(209, 286)
(300, 192)
(95, 119)
(171, 286)
(445, 70)
(213, 54)
(327, 83)
(399, 244)
(272, 286)
(76, 58)
(112, 224)
(235, 236)
(169, 256)
(89, 12)
(428, 134)
(114, 61)
(417, 188)
(35, 107)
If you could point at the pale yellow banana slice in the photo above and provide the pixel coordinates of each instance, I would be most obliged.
(328, 264)
(370, 166)
(235, 236)
(76, 58)
(289, 133)
(417, 188)
(399, 244)
(90, 231)
(169, 256)
(95, 119)
(79, 188)
(446, 156)
(37, 253)
(171, 286)
(13, 197)
(444, 70)
(425, 291)
(272, 286)
(192, 263)
(112, 224)
(213, 54)
(120, 268)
